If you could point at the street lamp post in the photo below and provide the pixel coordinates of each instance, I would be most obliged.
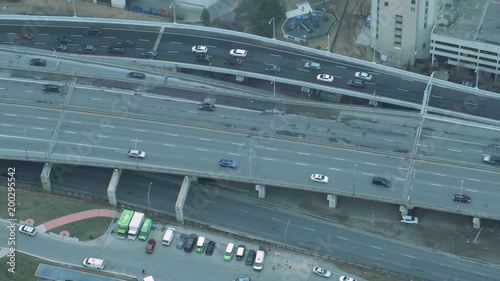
(354, 180)
(374, 53)
(274, 89)
(328, 42)
(172, 6)
(149, 190)
(250, 161)
(286, 229)
(461, 188)
(274, 28)
(25, 146)
(477, 77)
(74, 9)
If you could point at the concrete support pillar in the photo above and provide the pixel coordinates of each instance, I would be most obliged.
(45, 177)
(332, 201)
(194, 179)
(179, 205)
(476, 223)
(113, 183)
(403, 210)
(118, 4)
(261, 189)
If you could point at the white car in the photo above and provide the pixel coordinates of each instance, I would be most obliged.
(345, 278)
(26, 229)
(136, 153)
(199, 49)
(322, 272)
(325, 78)
(363, 75)
(409, 219)
(238, 53)
(319, 178)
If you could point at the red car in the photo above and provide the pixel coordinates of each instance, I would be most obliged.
(150, 246)
(26, 36)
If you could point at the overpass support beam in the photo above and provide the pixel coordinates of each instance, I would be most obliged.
(332, 201)
(403, 210)
(261, 189)
(45, 177)
(476, 223)
(113, 183)
(117, 3)
(179, 205)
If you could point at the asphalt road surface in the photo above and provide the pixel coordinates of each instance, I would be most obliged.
(174, 45)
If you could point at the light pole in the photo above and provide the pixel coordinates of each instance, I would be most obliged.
(354, 180)
(477, 77)
(274, 28)
(250, 161)
(286, 229)
(374, 53)
(149, 190)
(74, 9)
(328, 42)
(172, 6)
(25, 146)
(274, 89)
(461, 188)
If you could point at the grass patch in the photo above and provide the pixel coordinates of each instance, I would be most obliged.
(85, 229)
(26, 267)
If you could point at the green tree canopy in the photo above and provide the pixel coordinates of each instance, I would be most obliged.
(266, 10)
(205, 17)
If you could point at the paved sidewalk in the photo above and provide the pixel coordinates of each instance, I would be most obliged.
(76, 217)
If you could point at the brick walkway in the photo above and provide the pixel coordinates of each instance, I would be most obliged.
(76, 217)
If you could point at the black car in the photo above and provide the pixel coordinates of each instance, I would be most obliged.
(210, 248)
(203, 58)
(87, 49)
(250, 257)
(233, 61)
(60, 48)
(273, 69)
(115, 50)
(149, 54)
(190, 243)
(462, 198)
(126, 43)
(64, 40)
(93, 31)
(138, 75)
(378, 181)
(182, 241)
(356, 83)
(38, 62)
(492, 159)
(51, 88)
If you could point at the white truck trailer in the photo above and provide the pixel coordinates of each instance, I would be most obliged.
(135, 225)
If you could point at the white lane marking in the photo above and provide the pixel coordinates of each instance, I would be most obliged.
(341, 159)
(335, 169)
(190, 111)
(109, 37)
(95, 99)
(38, 128)
(75, 122)
(235, 154)
(275, 55)
(167, 144)
(302, 153)
(240, 144)
(4, 89)
(205, 139)
(438, 174)
(479, 273)
(340, 66)
(404, 90)
(244, 211)
(390, 140)
(275, 219)
(373, 164)
(437, 97)
(70, 132)
(173, 42)
(139, 130)
(405, 79)
(201, 149)
(103, 136)
(300, 69)
(367, 174)
(268, 159)
(435, 184)
(107, 126)
(172, 135)
(144, 40)
(376, 247)
(436, 137)
(400, 179)
(470, 103)
(42, 34)
(473, 179)
(140, 49)
(343, 238)
(9, 114)
(310, 229)
(135, 140)
(402, 168)
(8, 125)
(471, 190)
(269, 148)
(173, 52)
(42, 118)
(454, 150)
(301, 164)
(412, 257)
(40, 43)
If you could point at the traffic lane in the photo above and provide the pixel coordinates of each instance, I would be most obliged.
(31, 74)
(23, 147)
(26, 171)
(438, 173)
(55, 25)
(30, 93)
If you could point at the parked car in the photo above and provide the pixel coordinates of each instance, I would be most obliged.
(409, 219)
(182, 240)
(325, 78)
(462, 198)
(199, 49)
(312, 65)
(136, 153)
(38, 62)
(138, 75)
(94, 263)
(150, 246)
(190, 243)
(238, 53)
(26, 229)
(64, 40)
(93, 31)
(210, 248)
(228, 163)
(363, 75)
(345, 278)
(273, 69)
(321, 272)
(87, 49)
(233, 61)
(149, 54)
(242, 279)
(228, 253)
(250, 257)
(203, 58)
(126, 43)
(319, 178)
(378, 181)
(240, 252)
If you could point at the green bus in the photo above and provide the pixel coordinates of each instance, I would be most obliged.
(123, 223)
(146, 228)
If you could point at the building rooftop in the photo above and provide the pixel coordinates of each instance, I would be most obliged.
(474, 20)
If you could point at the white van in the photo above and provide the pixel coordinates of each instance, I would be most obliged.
(169, 236)
(94, 263)
(259, 260)
(149, 278)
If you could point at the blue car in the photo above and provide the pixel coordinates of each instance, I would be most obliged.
(228, 163)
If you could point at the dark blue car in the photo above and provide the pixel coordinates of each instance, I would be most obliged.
(228, 163)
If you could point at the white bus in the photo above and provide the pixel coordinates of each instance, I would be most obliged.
(259, 260)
